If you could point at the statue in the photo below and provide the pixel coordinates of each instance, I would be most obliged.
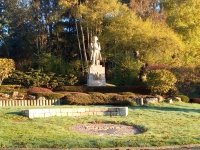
(96, 72)
(95, 51)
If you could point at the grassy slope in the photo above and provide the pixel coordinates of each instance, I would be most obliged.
(175, 124)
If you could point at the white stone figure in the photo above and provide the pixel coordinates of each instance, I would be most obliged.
(96, 72)
(95, 51)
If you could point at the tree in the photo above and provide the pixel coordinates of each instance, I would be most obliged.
(155, 43)
(148, 9)
(7, 66)
(183, 18)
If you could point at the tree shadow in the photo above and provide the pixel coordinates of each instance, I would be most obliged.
(167, 109)
(17, 113)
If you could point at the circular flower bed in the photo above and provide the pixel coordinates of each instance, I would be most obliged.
(106, 129)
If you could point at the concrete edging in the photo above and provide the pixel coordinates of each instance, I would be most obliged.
(76, 112)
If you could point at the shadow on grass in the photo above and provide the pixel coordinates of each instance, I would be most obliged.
(18, 113)
(176, 109)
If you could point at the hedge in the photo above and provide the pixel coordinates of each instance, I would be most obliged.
(44, 92)
(98, 99)
(11, 88)
(52, 95)
(105, 89)
(195, 100)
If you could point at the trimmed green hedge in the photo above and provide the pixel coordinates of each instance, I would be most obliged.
(52, 95)
(91, 98)
(98, 99)
(105, 89)
(11, 88)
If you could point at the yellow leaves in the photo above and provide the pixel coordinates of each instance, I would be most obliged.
(161, 81)
(156, 43)
(67, 3)
(185, 20)
(94, 12)
(7, 66)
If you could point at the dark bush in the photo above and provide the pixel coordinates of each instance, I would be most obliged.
(82, 89)
(172, 92)
(184, 98)
(41, 79)
(195, 100)
(105, 89)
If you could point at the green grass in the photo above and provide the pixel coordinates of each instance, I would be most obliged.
(166, 124)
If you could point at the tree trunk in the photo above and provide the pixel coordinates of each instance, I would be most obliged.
(83, 42)
(88, 38)
(79, 45)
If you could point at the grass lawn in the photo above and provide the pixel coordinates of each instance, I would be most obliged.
(166, 124)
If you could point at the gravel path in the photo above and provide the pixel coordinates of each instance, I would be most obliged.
(102, 129)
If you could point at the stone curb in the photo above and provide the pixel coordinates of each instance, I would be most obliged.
(76, 112)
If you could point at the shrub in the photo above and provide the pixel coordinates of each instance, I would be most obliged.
(97, 99)
(11, 88)
(160, 81)
(184, 98)
(19, 78)
(72, 88)
(44, 92)
(125, 72)
(51, 95)
(121, 100)
(104, 89)
(77, 99)
(195, 100)
(127, 93)
(7, 66)
(38, 90)
(40, 79)
(188, 80)
(27, 79)
(173, 91)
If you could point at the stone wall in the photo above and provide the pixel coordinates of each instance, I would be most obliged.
(75, 112)
(45, 102)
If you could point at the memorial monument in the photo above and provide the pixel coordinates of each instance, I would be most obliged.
(96, 72)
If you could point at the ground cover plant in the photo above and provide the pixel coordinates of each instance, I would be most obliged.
(165, 124)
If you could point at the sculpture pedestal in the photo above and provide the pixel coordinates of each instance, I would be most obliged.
(96, 76)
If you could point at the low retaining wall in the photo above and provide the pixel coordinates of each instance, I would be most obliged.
(8, 103)
(74, 112)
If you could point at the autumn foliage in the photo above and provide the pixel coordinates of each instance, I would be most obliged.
(7, 66)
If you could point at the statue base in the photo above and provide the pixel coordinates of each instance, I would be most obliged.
(96, 76)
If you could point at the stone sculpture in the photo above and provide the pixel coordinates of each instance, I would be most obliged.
(95, 51)
(96, 72)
